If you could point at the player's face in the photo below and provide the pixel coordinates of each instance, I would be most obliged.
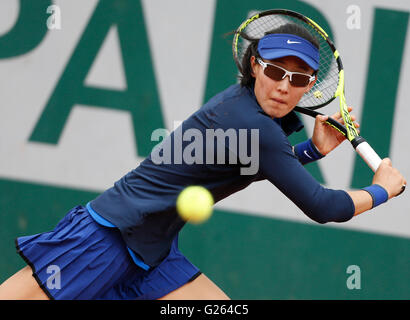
(278, 98)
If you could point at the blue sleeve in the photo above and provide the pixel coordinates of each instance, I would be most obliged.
(281, 167)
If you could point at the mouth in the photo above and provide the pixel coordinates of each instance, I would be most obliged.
(280, 101)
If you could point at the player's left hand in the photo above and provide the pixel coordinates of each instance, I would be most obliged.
(325, 137)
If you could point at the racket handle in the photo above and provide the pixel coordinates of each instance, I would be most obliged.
(366, 152)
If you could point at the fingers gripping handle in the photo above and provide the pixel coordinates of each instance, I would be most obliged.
(359, 143)
(370, 156)
(367, 153)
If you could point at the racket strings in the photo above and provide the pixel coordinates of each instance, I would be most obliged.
(328, 75)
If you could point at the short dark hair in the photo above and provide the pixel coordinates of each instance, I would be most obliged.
(246, 78)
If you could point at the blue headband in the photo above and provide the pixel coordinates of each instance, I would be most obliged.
(278, 45)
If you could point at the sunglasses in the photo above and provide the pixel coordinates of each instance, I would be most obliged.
(277, 73)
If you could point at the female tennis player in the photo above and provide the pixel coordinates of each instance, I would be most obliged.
(124, 243)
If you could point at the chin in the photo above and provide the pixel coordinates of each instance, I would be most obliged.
(276, 110)
(279, 113)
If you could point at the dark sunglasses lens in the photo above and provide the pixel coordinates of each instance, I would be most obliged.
(300, 80)
(274, 73)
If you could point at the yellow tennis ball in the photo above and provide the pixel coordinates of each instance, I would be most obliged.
(194, 204)
(318, 94)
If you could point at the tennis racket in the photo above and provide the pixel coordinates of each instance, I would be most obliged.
(330, 77)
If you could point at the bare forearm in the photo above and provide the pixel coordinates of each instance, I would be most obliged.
(362, 201)
(387, 183)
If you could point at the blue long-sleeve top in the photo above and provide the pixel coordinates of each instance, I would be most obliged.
(142, 204)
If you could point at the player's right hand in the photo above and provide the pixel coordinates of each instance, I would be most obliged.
(389, 178)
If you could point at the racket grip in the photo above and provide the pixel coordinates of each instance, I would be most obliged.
(369, 156)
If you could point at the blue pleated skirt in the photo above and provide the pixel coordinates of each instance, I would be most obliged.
(81, 259)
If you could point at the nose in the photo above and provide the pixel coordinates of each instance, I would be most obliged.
(283, 85)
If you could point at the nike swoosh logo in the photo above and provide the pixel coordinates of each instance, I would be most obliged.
(290, 42)
(307, 154)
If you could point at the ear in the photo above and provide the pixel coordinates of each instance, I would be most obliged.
(253, 66)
